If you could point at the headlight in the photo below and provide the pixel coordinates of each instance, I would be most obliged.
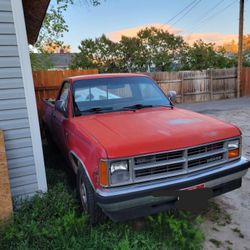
(233, 149)
(119, 172)
(115, 173)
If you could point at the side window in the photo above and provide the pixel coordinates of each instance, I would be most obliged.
(64, 95)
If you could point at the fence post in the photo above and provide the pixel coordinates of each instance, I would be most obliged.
(182, 87)
(211, 84)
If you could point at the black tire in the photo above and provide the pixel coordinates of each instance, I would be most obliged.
(88, 202)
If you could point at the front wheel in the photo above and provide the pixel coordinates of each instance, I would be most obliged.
(87, 198)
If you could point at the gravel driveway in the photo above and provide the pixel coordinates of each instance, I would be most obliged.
(228, 223)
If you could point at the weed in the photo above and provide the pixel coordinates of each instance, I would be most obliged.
(229, 242)
(237, 230)
(217, 243)
(53, 221)
(217, 215)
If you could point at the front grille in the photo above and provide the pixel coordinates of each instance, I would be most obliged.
(179, 162)
(204, 149)
(206, 160)
(158, 170)
(158, 157)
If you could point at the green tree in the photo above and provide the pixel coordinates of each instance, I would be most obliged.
(52, 30)
(54, 24)
(150, 47)
(161, 48)
(204, 56)
(100, 53)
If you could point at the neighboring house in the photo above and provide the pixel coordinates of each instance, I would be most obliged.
(54, 60)
(61, 60)
(18, 112)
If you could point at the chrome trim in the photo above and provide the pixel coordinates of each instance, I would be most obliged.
(183, 159)
(84, 167)
(150, 199)
(163, 183)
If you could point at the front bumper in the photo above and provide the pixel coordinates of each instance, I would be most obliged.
(142, 199)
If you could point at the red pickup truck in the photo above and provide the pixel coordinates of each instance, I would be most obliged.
(134, 152)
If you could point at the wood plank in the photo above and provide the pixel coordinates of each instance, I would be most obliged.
(6, 207)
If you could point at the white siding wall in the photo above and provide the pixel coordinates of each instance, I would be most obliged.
(14, 119)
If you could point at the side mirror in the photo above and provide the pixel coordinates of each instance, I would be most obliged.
(59, 106)
(172, 95)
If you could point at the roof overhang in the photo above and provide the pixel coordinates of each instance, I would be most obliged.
(34, 13)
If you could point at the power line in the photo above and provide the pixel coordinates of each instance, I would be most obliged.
(180, 12)
(209, 11)
(187, 12)
(215, 14)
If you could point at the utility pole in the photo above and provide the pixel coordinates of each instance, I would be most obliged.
(240, 47)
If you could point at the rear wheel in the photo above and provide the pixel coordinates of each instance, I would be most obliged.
(87, 198)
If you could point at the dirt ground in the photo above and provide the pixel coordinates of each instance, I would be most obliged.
(228, 223)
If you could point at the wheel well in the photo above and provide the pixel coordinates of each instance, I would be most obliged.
(75, 161)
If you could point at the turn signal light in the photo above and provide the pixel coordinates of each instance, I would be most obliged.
(103, 173)
(233, 153)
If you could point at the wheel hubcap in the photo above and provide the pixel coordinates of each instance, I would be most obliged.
(83, 194)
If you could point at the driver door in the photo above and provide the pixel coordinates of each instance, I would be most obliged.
(59, 117)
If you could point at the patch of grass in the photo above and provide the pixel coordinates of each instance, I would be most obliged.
(229, 242)
(217, 243)
(217, 215)
(237, 230)
(54, 221)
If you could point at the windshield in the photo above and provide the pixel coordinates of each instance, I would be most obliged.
(115, 94)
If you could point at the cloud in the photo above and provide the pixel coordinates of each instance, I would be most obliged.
(131, 32)
(210, 37)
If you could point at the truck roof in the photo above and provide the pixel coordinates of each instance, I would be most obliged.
(98, 76)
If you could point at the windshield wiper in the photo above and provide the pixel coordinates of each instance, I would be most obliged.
(97, 110)
(141, 106)
(137, 106)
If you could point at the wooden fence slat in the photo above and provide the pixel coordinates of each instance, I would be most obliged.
(47, 83)
(245, 81)
(190, 86)
(198, 86)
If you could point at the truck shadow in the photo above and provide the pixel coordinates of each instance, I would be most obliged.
(57, 169)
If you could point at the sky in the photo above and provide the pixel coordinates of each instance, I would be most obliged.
(210, 20)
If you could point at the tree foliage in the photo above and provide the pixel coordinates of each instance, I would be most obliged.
(204, 56)
(52, 30)
(151, 48)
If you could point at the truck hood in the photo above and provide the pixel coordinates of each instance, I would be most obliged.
(144, 131)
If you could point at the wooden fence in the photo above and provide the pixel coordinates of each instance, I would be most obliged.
(198, 86)
(245, 82)
(47, 83)
(191, 86)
